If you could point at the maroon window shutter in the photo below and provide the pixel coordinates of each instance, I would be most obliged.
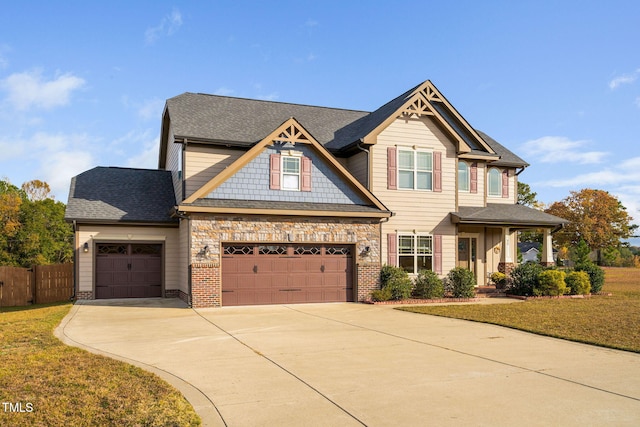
(392, 168)
(392, 249)
(505, 183)
(305, 174)
(274, 172)
(437, 172)
(473, 185)
(437, 253)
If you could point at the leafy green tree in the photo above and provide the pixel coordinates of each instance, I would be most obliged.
(526, 197)
(32, 225)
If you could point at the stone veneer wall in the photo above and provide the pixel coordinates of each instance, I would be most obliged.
(211, 231)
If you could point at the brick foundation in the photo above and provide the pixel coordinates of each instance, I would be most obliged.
(84, 295)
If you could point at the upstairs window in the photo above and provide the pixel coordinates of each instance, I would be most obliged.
(290, 173)
(415, 170)
(495, 182)
(463, 176)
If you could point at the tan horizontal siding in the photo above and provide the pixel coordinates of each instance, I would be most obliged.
(466, 198)
(422, 211)
(90, 234)
(204, 163)
(358, 165)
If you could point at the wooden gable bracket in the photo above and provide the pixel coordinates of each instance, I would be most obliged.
(292, 133)
(420, 107)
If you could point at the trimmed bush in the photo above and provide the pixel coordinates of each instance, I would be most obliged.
(381, 294)
(596, 275)
(428, 285)
(524, 278)
(550, 283)
(499, 279)
(460, 283)
(578, 283)
(397, 281)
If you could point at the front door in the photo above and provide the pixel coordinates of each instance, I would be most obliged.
(467, 249)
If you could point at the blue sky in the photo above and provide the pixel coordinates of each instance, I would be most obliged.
(83, 83)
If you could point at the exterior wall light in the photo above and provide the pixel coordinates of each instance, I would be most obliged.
(85, 247)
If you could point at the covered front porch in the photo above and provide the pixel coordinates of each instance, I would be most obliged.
(487, 237)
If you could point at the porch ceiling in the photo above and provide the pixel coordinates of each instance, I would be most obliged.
(515, 216)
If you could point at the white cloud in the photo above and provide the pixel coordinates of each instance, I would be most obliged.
(30, 89)
(624, 79)
(59, 167)
(169, 25)
(555, 149)
(148, 157)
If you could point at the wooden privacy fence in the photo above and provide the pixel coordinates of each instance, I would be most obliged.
(38, 285)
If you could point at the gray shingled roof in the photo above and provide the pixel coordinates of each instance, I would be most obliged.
(505, 214)
(121, 195)
(247, 121)
(507, 157)
(243, 122)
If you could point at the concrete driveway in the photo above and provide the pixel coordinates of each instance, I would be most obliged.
(354, 364)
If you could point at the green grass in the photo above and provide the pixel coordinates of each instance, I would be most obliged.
(607, 321)
(72, 387)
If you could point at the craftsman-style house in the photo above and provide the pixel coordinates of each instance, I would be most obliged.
(259, 202)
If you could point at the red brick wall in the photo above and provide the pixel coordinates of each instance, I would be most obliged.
(368, 280)
(206, 290)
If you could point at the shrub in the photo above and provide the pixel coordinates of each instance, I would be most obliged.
(460, 283)
(551, 283)
(428, 285)
(524, 278)
(381, 294)
(596, 275)
(499, 279)
(578, 283)
(397, 281)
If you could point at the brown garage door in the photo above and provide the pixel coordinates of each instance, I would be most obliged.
(128, 270)
(283, 274)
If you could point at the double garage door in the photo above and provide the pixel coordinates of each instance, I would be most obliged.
(125, 270)
(285, 273)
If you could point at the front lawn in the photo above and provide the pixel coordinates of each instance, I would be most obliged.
(44, 382)
(608, 321)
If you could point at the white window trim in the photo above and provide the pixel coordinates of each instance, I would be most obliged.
(415, 255)
(499, 193)
(415, 166)
(468, 190)
(283, 173)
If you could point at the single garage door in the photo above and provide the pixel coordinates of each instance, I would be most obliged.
(284, 274)
(125, 270)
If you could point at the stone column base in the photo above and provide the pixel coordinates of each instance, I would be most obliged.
(506, 267)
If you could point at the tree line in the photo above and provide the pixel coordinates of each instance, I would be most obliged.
(32, 226)
(597, 220)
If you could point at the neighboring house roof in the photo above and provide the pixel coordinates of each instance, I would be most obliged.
(244, 122)
(507, 215)
(121, 195)
(528, 246)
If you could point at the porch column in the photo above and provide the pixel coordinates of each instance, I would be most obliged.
(506, 257)
(547, 249)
